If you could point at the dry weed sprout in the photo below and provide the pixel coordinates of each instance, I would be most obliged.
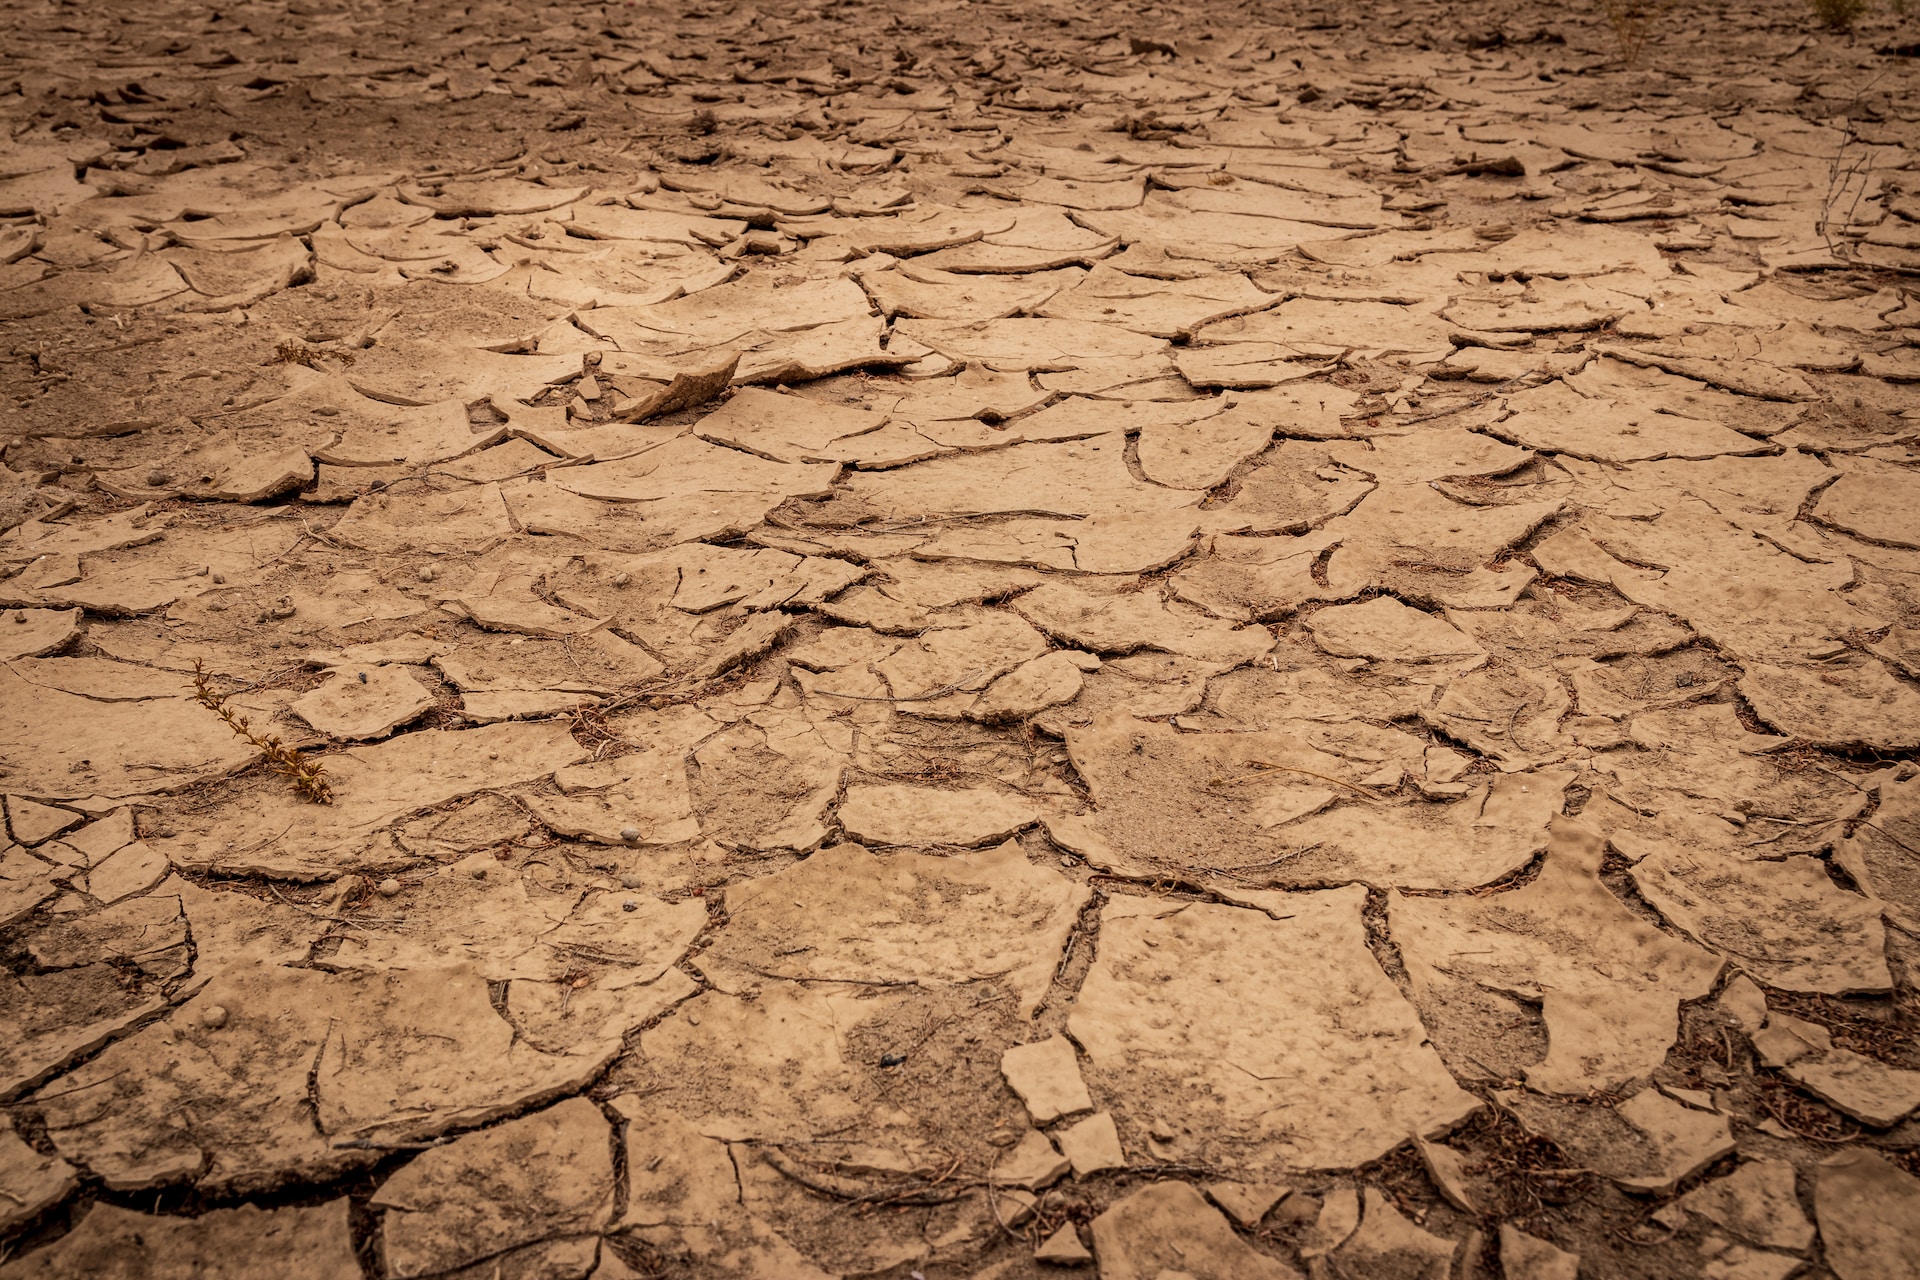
(1633, 21)
(308, 777)
(1847, 176)
(1838, 15)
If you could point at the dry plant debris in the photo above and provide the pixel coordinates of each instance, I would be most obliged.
(307, 777)
(959, 642)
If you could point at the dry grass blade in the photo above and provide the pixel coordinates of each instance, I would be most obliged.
(308, 777)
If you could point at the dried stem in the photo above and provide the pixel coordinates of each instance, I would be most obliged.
(308, 777)
(1632, 22)
(1845, 176)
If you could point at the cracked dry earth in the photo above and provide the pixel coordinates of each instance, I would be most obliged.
(959, 642)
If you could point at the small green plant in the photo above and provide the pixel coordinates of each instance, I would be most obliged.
(1632, 22)
(308, 777)
(1838, 15)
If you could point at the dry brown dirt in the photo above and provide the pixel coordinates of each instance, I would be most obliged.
(959, 642)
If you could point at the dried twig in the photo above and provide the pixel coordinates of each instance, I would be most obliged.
(1780, 1118)
(1242, 873)
(931, 696)
(49, 1097)
(308, 777)
(855, 1192)
(1266, 766)
(1844, 174)
(352, 922)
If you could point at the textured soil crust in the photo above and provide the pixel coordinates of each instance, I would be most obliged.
(959, 641)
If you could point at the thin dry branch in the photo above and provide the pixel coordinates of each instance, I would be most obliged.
(308, 777)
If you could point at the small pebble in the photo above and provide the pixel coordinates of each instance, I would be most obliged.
(157, 478)
(629, 905)
(629, 834)
(389, 887)
(363, 677)
(632, 882)
(479, 873)
(219, 577)
(214, 1017)
(622, 579)
(426, 573)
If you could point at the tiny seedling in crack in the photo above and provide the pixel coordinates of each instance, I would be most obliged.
(308, 777)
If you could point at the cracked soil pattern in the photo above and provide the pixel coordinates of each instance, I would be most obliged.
(963, 642)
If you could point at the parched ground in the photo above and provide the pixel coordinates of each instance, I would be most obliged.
(1215, 642)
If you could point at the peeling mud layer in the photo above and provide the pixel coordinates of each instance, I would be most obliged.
(959, 641)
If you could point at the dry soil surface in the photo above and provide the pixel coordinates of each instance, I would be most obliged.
(958, 641)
